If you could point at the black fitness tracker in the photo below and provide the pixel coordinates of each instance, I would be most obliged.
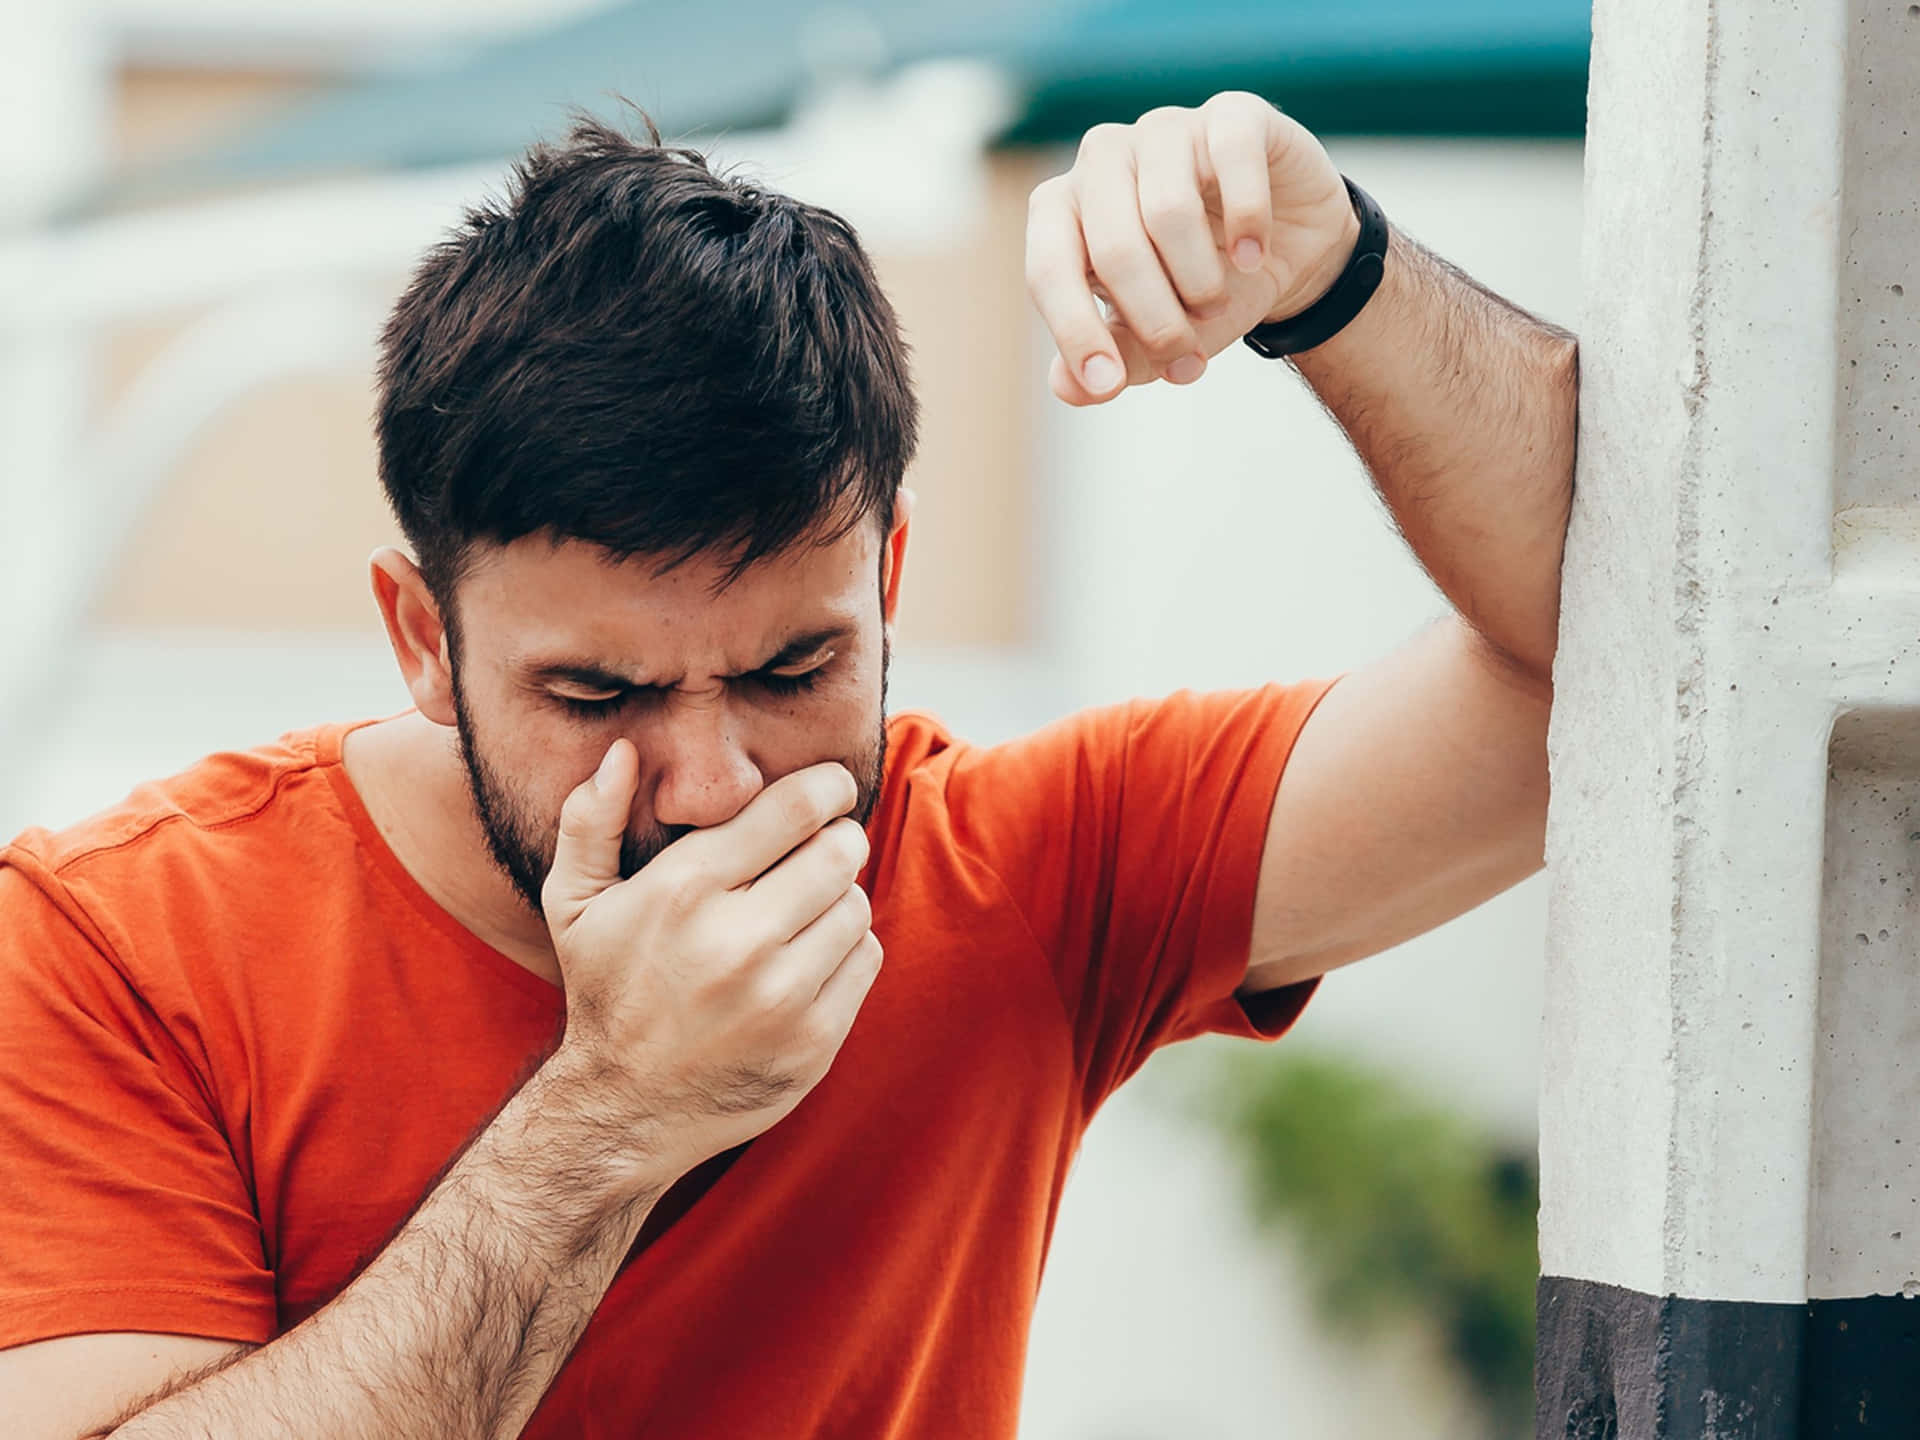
(1330, 314)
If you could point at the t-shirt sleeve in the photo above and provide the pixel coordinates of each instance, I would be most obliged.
(1130, 838)
(121, 1206)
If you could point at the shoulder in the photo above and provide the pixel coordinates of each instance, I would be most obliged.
(216, 791)
(233, 824)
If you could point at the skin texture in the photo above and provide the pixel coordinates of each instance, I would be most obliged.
(805, 674)
(711, 988)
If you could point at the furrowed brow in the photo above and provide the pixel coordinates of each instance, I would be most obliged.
(589, 676)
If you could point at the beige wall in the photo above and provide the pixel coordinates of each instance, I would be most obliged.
(267, 521)
(965, 314)
(163, 108)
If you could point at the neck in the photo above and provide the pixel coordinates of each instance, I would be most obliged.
(409, 776)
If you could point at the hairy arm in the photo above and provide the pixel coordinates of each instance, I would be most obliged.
(458, 1326)
(1463, 409)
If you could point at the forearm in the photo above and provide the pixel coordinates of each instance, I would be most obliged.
(1463, 409)
(459, 1325)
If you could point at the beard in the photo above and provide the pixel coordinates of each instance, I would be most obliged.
(522, 843)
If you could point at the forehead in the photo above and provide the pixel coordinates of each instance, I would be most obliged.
(538, 595)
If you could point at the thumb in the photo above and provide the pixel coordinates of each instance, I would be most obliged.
(593, 825)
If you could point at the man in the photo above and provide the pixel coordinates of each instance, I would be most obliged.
(358, 1084)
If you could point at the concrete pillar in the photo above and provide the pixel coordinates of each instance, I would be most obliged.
(1730, 1106)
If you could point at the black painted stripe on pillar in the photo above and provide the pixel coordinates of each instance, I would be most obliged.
(1616, 1364)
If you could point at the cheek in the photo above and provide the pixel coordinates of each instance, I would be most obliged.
(833, 723)
(540, 755)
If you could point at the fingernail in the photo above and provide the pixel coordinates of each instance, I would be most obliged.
(1246, 253)
(1186, 369)
(1102, 373)
(606, 768)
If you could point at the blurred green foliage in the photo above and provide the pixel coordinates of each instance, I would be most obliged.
(1401, 1206)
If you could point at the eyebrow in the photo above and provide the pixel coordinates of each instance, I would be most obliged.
(597, 677)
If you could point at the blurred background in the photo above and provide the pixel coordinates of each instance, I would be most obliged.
(206, 207)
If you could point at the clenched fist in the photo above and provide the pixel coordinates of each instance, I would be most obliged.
(708, 993)
(1194, 226)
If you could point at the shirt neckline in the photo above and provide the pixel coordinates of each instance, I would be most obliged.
(329, 746)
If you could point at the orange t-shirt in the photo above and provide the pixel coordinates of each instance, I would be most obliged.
(238, 1042)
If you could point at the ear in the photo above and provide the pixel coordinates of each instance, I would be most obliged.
(893, 560)
(416, 632)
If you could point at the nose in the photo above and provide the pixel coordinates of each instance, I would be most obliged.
(704, 774)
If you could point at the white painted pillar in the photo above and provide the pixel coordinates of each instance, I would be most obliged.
(1731, 1093)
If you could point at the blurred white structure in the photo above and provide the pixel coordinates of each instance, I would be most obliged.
(1216, 535)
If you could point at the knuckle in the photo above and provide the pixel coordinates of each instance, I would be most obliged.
(843, 846)
(1207, 294)
(800, 807)
(1165, 115)
(1166, 337)
(677, 897)
(576, 814)
(765, 995)
(1231, 103)
(1170, 210)
(819, 1035)
(1103, 138)
(1046, 194)
(1113, 256)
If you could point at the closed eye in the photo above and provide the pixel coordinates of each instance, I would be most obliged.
(774, 682)
(588, 707)
(777, 683)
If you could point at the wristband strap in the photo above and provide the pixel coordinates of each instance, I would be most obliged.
(1330, 314)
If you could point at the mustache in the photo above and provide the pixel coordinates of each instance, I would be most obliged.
(639, 851)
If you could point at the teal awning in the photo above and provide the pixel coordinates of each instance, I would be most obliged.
(1403, 67)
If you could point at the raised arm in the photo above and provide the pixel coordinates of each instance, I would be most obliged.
(1418, 788)
(705, 996)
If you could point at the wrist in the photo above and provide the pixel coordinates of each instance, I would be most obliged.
(567, 1125)
(1325, 275)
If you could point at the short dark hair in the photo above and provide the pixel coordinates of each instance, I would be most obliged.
(635, 351)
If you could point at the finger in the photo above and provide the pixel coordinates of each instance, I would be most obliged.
(843, 992)
(1140, 369)
(1126, 264)
(593, 825)
(1238, 140)
(770, 825)
(1057, 282)
(1174, 211)
(816, 952)
(804, 886)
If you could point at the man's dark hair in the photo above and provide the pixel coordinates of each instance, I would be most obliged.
(637, 352)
